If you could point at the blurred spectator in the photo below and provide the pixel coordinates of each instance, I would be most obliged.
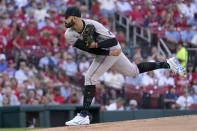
(73, 99)
(3, 63)
(115, 82)
(1, 97)
(120, 36)
(69, 66)
(190, 73)
(193, 21)
(107, 7)
(123, 6)
(137, 58)
(181, 82)
(11, 68)
(193, 95)
(166, 80)
(66, 90)
(57, 95)
(11, 97)
(40, 13)
(137, 80)
(21, 3)
(170, 99)
(149, 79)
(136, 14)
(185, 101)
(194, 81)
(46, 60)
(132, 105)
(22, 99)
(84, 64)
(160, 9)
(102, 95)
(187, 35)
(152, 21)
(186, 8)
(155, 54)
(194, 40)
(20, 90)
(95, 8)
(23, 72)
(182, 55)
(189, 9)
(31, 95)
(6, 101)
(46, 23)
(172, 36)
(116, 106)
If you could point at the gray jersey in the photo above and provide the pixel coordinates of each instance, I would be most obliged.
(102, 33)
(102, 63)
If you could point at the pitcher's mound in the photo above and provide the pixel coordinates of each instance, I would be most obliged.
(180, 123)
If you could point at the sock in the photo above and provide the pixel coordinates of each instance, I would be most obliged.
(149, 66)
(89, 93)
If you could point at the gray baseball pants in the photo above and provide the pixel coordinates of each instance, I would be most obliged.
(101, 64)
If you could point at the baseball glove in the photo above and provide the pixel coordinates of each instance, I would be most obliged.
(88, 34)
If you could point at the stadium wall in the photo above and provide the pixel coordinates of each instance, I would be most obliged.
(56, 115)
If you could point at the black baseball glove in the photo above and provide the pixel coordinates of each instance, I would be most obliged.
(88, 34)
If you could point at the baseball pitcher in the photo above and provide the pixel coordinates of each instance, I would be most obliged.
(91, 36)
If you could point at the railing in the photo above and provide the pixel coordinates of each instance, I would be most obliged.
(163, 48)
(131, 27)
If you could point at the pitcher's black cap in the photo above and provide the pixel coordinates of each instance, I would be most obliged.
(72, 11)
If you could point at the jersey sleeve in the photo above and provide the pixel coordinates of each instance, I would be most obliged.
(70, 37)
(102, 30)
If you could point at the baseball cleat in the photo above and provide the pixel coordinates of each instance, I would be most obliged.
(78, 120)
(176, 67)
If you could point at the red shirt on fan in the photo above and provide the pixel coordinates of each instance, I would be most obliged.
(136, 14)
(153, 23)
(59, 99)
(50, 30)
(146, 12)
(159, 11)
(71, 2)
(5, 31)
(31, 42)
(73, 102)
(2, 44)
(45, 41)
(20, 41)
(32, 31)
(56, 20)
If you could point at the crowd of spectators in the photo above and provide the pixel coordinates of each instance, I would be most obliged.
(37, 66)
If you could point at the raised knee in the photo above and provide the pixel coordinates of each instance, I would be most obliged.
(90, 80)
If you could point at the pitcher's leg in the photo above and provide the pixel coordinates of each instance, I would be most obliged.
(125, 67)
(98, 67)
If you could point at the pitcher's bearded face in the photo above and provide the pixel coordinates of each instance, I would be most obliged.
(69, 22)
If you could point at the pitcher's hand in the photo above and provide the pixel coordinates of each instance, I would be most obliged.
(115, 52)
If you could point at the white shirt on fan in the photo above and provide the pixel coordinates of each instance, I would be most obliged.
(113, 107)
(184, 102)
(164, 81)
(114, 80)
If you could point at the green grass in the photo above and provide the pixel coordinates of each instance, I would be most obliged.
(17, 129)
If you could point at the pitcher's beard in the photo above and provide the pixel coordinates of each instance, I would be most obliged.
(69, 25)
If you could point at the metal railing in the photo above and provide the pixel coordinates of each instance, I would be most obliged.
(163, 48)
(130, 26)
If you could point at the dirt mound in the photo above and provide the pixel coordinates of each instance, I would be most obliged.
(180, 123)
